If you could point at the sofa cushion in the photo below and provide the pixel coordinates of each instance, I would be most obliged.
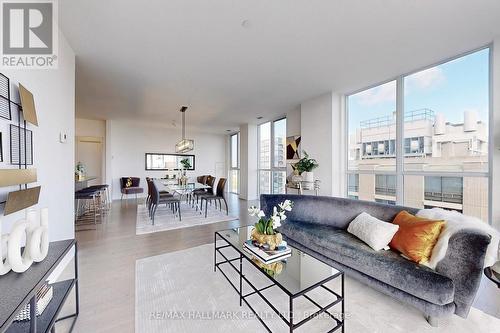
(386, 266)
(374, 232)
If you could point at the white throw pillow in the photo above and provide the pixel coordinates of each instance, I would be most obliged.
(374, 232)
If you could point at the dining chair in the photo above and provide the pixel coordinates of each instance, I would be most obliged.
(216, 197)
(130, 185)
(209, 181)
(158, 199)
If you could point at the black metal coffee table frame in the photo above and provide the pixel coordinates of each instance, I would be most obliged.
(292, 296)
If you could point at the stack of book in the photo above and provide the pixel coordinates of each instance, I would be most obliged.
(266, 255)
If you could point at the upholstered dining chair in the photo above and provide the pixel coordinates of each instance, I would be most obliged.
(216, 197)
(210, 181)
(157, 199)
(130, 185)
(149, 198)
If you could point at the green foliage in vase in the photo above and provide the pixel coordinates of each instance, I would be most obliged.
(306, 164)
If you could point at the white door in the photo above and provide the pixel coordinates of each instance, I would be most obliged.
(89, 151)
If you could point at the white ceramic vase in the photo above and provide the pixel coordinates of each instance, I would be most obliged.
(308, 176)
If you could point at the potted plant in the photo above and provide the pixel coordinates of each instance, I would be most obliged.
(305, 166)
(80, 171)
(265, 232)
(185, 165)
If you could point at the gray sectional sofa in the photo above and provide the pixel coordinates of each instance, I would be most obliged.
(318, 226)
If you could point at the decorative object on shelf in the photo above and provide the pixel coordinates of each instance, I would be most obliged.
(21, 145)
(305, 166)
(80, 171)
(43, 298)
(273, 269)
(21, 199)
(293, 147)
(184, 145)
(296, 177)
(28, 105)
(265, 229)
(36, 234)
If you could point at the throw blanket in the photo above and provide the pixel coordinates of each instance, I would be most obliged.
(456, 222)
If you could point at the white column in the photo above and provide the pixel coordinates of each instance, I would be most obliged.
(248, 162)
(323, 138)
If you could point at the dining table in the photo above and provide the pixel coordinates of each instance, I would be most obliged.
(185, 191)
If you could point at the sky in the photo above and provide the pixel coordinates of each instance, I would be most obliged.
(451, 88)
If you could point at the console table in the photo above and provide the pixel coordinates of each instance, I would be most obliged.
(19, 289)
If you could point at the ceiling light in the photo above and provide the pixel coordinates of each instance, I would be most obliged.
(260, 117)
(228, 130)
(184, 145)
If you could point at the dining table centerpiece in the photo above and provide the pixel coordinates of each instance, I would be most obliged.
(186, 165)
(265, 232)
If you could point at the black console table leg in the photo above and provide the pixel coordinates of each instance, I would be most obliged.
(33, 314)
(291, 315)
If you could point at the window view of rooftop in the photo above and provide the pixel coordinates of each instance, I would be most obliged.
(445, 133)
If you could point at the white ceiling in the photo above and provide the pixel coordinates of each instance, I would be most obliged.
(142, 60)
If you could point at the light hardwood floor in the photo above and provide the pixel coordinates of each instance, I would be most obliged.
(107, 264)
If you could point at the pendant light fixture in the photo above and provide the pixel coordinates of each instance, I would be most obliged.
(184, 145)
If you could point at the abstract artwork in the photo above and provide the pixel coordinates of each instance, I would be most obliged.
(28, 104)
(21, 145)
(293, 147)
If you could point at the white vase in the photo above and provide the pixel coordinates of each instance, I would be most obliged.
(308, 176)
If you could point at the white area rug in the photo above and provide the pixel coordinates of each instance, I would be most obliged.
(180, 292)
(165, 220)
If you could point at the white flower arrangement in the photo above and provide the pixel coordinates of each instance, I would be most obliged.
(267, 226)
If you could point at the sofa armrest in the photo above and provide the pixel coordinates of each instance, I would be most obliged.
(463, 264)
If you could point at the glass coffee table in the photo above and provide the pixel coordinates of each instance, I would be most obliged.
(296, 276)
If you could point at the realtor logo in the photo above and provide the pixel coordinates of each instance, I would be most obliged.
(29, 35)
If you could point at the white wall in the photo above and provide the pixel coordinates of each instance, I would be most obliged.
(128, 142)
(320, 131)
(293, 122)
(54, 94)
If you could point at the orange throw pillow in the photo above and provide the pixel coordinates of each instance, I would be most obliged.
(416, 236)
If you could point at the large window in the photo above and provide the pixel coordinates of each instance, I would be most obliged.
(234, 170)
(422, 139)
(272, 157)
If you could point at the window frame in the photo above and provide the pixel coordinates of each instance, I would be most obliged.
(238, 166)
(400, 171)
(271, 168)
